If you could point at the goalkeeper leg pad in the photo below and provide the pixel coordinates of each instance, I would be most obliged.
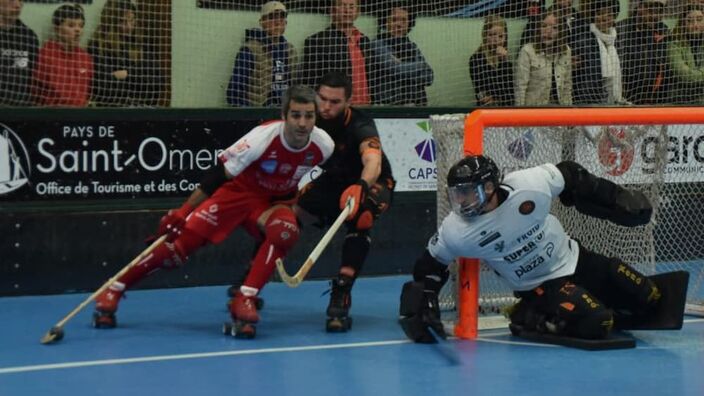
(411, 311)
(669, 313)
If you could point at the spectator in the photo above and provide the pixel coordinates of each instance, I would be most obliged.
(543, 74)
(490, 69)
(686, 52)
(340, 47)
(402, 69)
(642, 49)
(264, 65)
(64, 70)
(123, 70)
(597, 76)
(18, 55)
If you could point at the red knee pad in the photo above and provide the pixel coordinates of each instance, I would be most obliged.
(281, 229)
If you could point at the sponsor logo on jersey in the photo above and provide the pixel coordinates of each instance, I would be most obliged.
(300, 171)
(489, 239)
(528, 233)
(526, 207)
(269, 166)
(308, 159)
(285, 168)
(499, 247)
(434, 239)
(525, 249)
(241, 147)
(529, 266)
(15, 166)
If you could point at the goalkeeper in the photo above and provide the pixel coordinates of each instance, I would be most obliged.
(564, 288)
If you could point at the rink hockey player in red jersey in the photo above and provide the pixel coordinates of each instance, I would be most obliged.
(252, 186)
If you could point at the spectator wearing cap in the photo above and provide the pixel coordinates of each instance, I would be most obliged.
(642, 45)
(18, 55)
(686, 53)
(263, 67)
(64, 70)
(597, 76)
(402, 69)
(341, 47)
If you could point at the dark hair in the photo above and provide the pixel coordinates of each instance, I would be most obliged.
(597, 5)
(383, 20)
(336, 79)
(299, 94)
(67, 11)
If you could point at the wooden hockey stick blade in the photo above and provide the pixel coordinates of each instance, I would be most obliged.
(295, 280)
(56, 333)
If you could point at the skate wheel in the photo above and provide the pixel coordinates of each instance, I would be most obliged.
(227, 328)
(244, 330)
(104, 321)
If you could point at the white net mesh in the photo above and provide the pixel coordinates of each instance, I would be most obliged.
(666, 162)
(217, 53)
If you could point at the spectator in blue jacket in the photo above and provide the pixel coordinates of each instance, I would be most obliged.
(402, 70)
(264, 65)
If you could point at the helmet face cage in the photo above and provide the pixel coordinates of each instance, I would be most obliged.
(467, 199)
(466, 180)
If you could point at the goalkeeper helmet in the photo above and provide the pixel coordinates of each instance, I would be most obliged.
(465, 184)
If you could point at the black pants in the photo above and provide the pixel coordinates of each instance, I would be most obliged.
(585, 301)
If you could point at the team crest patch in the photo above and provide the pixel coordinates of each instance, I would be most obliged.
(526, 207)
(269, 166)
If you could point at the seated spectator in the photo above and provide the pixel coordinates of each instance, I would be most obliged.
(264, 65)
(124, 74)
(642, 49)
(402, 70)
(597, 77)
(18, 55)
(686, 52)
(490, 69)
(543, 72)
(340, 47)
(64, 70)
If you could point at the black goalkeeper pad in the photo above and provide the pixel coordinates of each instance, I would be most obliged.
(670, 312)
(413, 321)
(615, 340)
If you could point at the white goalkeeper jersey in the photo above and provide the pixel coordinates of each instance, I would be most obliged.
(520, 239)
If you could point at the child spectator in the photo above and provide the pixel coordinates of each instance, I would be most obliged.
(490, 69)
(64, 70)
(124, 74)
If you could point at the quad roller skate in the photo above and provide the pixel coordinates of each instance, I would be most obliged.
(232, 290)
(338, 320)
(244, 317)
(105, 307)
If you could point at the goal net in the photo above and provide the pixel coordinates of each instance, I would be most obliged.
(659, 151)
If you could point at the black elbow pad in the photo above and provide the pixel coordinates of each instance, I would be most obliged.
(602, 198)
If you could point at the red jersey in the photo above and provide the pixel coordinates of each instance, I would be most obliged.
(263, 162)
(62, 78)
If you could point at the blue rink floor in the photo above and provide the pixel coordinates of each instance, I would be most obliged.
(170, 343)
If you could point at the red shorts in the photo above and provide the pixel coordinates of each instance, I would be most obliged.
(216, 217)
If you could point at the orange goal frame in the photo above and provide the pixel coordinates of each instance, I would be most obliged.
(467, 325)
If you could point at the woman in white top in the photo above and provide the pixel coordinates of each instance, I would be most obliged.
(543, 73)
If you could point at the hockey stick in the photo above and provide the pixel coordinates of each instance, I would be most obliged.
(56, 333)
(295, 280)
